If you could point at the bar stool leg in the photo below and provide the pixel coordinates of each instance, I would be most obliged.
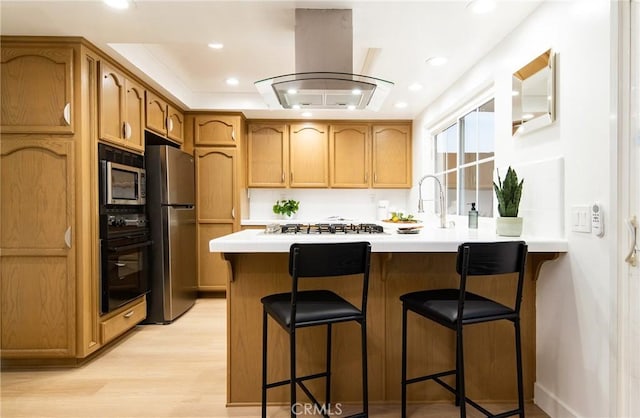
(404, 362)
(292, 353)
(516, 323)
(457, 402)
(460, 371)
(264, 363)
(365, 381)
(328, 378)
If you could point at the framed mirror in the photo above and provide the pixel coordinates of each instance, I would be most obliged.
(533, 94)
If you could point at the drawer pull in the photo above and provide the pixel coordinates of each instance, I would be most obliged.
(169, 125)
(128, 314)
(233, 134)
(121, 264)
(127, 130)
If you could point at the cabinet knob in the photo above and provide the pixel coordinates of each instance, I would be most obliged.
(67, 237)
(66, 113)
(126, 129)
(233, 134)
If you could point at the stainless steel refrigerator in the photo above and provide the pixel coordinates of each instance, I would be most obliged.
(172, 223)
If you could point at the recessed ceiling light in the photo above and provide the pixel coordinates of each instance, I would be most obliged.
(295, 106)
(307, 114)
(351, 107)
(527, 116)
(232, 81)
(117, 4)
(356, 92)
(481, 6)
(436, 61)
(401, 105)
(216, 45)
(292, 91)
(515, 93)
(415, 87)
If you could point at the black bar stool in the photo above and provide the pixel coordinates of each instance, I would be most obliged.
(308, 308)
(447, 306)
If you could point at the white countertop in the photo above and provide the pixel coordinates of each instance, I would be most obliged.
(428, 240)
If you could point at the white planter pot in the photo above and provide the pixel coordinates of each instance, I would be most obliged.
(509, 227)
(289, 217)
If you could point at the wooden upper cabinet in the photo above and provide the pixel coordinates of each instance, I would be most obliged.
(175, 124)
(309, 155)
(164, 119)
(216, 185)
(350, 161)
(391, 156)
(217, 130)
(121, 109)
(37, 90)
(267, 154)
(156, 114)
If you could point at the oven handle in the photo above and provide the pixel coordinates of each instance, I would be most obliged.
(130, 247)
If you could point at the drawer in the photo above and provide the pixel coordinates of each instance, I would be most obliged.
(123, 321)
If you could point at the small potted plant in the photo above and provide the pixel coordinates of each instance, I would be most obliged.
(508, 193)
(286, 208)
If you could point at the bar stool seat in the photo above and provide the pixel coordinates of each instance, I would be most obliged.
(457, 308)
(306, 308)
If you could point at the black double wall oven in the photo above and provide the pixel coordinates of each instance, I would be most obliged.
(124, 234)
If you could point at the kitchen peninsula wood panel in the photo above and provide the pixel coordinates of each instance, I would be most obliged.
(488, 347)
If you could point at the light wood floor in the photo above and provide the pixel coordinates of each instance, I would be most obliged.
(175, 370)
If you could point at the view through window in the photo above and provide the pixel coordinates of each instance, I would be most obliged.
(464, 161)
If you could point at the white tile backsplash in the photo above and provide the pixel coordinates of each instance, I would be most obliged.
(360, 204)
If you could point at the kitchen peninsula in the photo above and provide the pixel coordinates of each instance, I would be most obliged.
(400, 264)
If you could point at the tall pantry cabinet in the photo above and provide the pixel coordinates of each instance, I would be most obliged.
(218, 143)
(48, 298)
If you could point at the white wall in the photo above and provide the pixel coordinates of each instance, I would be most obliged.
(576, 293)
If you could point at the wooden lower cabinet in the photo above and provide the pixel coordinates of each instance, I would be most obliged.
(213, 270)
(122, 320)
(37, 218)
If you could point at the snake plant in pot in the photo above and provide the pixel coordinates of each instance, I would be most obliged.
(508, 193)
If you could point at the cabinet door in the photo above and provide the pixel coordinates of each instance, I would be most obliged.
(213, 270)
(111, 100)
(349, 156)
(217, 130)
(37, 90)
(309, 155)
(156, 114)
(175, 124)
(267, 152)
(134, 129)
(392, 156)
(216, 182)
(37, 244)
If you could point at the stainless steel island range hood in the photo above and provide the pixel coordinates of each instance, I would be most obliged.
(324, 76)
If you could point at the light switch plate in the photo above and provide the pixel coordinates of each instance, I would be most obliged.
(581, 218)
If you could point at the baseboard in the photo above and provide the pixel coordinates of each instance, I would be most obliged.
(550, 404)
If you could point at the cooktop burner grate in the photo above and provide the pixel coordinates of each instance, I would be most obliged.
(330, 228)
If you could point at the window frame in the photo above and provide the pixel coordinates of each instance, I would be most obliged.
(455, 118)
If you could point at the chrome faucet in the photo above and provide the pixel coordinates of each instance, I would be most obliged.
(443, 212)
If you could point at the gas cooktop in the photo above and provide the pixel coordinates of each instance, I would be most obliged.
(331, 228)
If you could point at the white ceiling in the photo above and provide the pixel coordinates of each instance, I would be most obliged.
(165, 43)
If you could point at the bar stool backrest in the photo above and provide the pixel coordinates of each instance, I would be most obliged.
(491, 258)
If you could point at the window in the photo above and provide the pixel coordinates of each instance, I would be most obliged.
(464, 158)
